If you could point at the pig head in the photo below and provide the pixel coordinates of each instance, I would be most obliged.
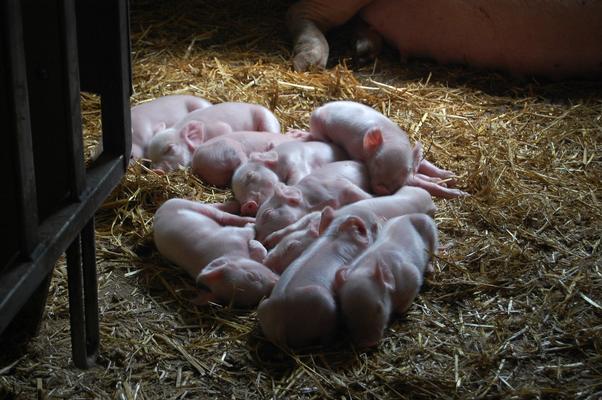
(237, 280)
(387, 277)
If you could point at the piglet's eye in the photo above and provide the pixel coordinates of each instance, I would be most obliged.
(250, 177)
(169, 149)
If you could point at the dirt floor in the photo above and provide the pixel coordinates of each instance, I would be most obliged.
(513, 309)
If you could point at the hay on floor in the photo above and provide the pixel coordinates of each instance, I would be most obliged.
(512, 311)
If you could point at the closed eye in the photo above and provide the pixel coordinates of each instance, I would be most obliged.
(250, 178)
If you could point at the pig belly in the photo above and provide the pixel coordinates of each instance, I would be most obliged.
(554, 38)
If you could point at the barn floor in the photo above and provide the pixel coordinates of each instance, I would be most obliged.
(514, 309)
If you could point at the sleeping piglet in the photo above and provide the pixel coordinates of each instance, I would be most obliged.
(216, 249)
(288, 243)
(215, 160)
(253, 182)
(174, 146)
(302, 309)
(369, 136)
(387, 277)
(158, 114)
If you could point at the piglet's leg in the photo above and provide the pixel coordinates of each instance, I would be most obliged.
(352, 194)
(299, 134)
(435, 189)
(222, 217)
(427, 168)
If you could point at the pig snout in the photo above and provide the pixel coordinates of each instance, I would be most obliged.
(248, 208)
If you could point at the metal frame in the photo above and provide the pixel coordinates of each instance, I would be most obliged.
(45, 48)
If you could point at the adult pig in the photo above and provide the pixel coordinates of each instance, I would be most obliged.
(302, 309)
(175, 146)
(387, 277)
(216, 160)
(156, 115)
(335, 184)
(215, 248)
(290, 242)
(253, 182)
(369, 136)
(552, 38)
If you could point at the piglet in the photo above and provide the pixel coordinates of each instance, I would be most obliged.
(253, 182)
(174, 146)
(386, 278)
(369, 136)
(302, 309)
(216, 160)
(335, 184)
(216, 248)
(289, 242)
(158, 114)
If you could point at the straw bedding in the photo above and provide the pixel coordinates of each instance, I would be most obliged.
(514, 307)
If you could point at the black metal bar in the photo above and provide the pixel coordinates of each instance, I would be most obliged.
(19, 128)
(51, 193)
(20, 279)
(115, 94)
(83, 298)
(77, 315)
(90, 291)
(72, 109)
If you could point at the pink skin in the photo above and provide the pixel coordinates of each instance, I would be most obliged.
(158, 114)
(239, 281)
(175, 146)
(253, 182)
(335, 184)
(387, 277)
(369, 136)
(292, 245)
(302, 309)
(196, 236)
(288, 243)
(216, 160)
(557, 39)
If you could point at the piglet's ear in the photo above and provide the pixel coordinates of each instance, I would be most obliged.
(355, 225)
(325, 219)
(193, 135)
(383, 276)
(212, 276)
(159, 127)
(373, 139)
(340, 278)
(267, 158)
(290, 194)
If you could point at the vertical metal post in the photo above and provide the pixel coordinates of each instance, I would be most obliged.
(83, 298)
